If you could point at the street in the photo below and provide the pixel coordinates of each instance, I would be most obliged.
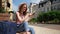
(46, 28)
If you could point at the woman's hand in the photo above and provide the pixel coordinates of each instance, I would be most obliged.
(31, 14)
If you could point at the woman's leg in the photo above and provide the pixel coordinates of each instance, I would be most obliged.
(27, 28)
(31, 30)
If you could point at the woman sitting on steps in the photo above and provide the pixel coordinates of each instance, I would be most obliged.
(22, 18)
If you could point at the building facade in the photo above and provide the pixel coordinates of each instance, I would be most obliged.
(6, 4)
(33, 8)
(44, 6)
(55, 5)
(48, 5)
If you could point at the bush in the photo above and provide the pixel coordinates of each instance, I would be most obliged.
(55, 21)
(33, 20)
(49, 16)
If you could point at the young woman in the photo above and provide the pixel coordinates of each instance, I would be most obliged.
(22, 18)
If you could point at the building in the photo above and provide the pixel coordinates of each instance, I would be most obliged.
(33, 8)
(48, 5)
(44, 6)
(55, 5)
(6, 4)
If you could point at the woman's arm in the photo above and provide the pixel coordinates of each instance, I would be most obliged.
(19, 17)
(30, 16)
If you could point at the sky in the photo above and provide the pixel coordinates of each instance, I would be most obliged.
(16, 3)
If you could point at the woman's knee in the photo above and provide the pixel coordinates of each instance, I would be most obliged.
(26, 26)
(25, 22)
(31, 29)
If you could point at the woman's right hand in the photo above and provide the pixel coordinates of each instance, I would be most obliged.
(31, 14)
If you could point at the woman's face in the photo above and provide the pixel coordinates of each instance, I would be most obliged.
(24, 8)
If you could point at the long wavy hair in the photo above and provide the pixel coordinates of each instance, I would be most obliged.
(20, 8)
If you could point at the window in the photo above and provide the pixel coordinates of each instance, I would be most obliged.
(42, 5)
(39, 6)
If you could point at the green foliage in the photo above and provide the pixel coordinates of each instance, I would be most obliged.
(33, 20)
(2, 10)
(49, 16)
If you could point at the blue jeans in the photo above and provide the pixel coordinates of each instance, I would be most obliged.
(24, 27)
(12, 28)
(27, 28)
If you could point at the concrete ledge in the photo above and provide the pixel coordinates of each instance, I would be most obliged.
(4, 16)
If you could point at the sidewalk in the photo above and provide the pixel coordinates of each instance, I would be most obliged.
(46, 28)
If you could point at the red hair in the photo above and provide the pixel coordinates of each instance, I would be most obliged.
(20, 8)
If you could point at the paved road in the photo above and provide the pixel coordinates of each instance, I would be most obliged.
(46, 28)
